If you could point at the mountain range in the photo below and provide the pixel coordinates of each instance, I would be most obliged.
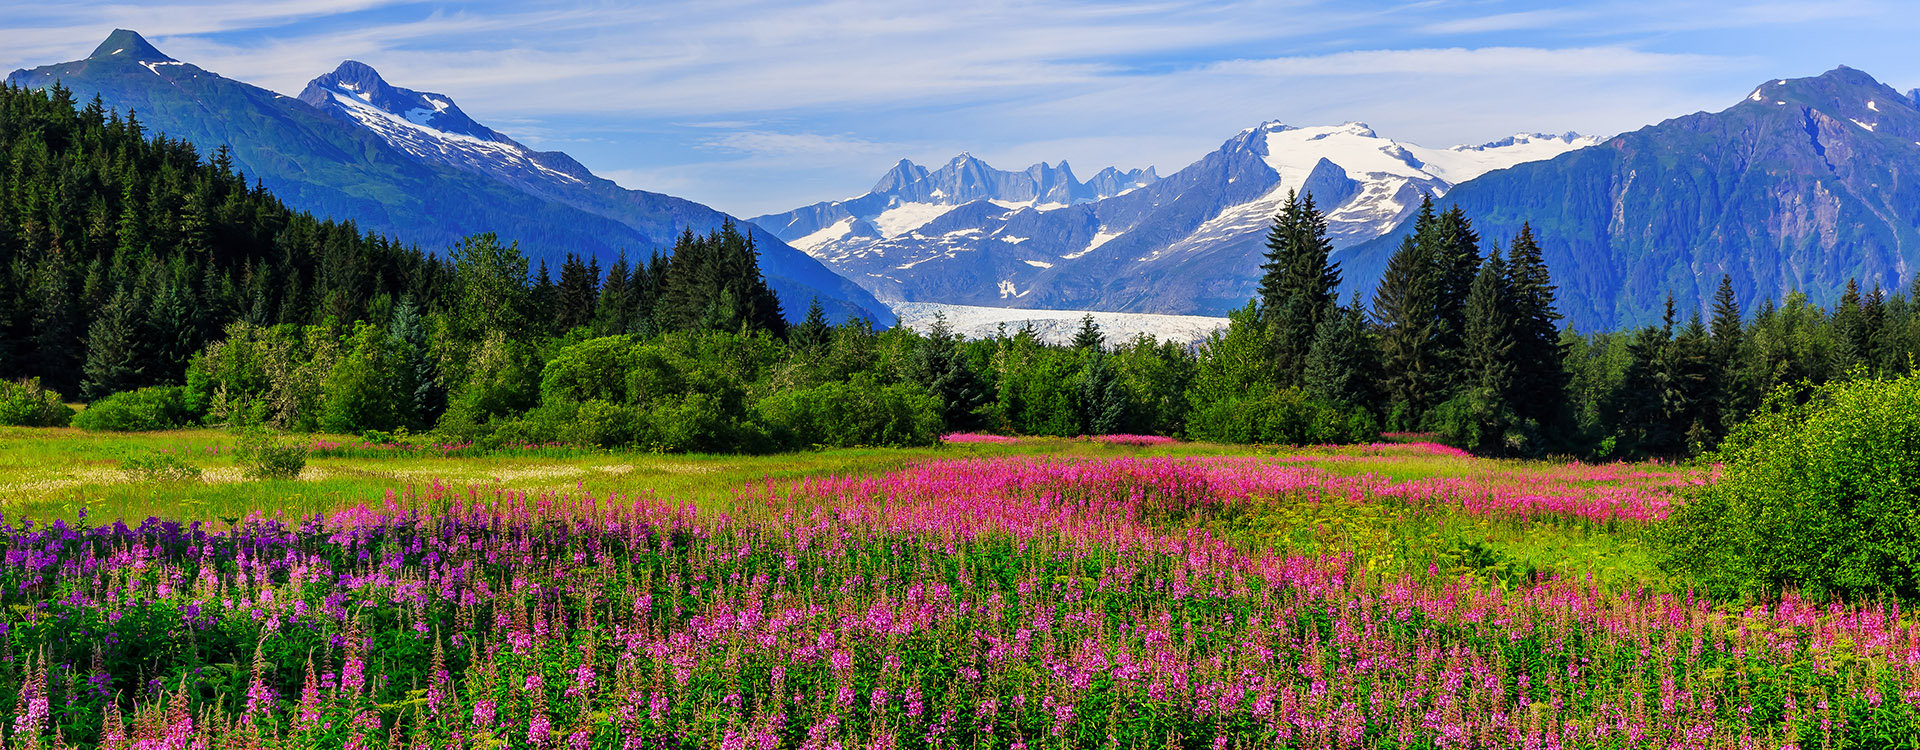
(1128, 241)
(413, 166)
(1803, 185)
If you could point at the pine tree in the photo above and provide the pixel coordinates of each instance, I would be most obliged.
(1407, 306)
(113, 361)
(1540, 378)
(1455, 250)
(813, 332)
(610, 312)
(1732, 393)
(1343, 363)
(1491, 321)
(1297, 288)
(939, 365)
(578, 293)
(427, 399)
(1089, 337)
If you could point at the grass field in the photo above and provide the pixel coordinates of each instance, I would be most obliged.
(1036, 594)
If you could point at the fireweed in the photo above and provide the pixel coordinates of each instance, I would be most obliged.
(958, 604)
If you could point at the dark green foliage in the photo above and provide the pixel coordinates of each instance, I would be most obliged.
(1482, 417)
(143, 410)
(814, 331)
(24, 403)
(1343, 365)
(938, 366)
(1818, 492)
(1089, 337)
(1540, 376)
(853, 413)
(1298, 287)
(714, 284)
(114, 361)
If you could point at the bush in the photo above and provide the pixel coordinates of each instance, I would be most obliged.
(1286, 416)
(159, 467)
(1822, 495)
(144, 410)
(23, 403)
(264, 456)
(848, 414)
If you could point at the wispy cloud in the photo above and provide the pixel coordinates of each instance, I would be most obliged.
(1453, 61)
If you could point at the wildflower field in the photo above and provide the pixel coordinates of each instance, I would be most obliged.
(1039, 594)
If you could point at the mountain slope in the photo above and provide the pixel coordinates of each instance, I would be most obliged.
(1186, 244)
(342, 169)
(1802, 185)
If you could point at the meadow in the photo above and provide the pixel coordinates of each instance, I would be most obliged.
(1038, 593)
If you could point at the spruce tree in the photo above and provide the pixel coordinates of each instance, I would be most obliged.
(1732, 395)
(113, 361)
(814, 331)
(1491, 321)
(1298, 284)
(939, 365)
(1407, 306)
(1540, 378)
(578, 293)
(1089, 337)
(1343, 363)
(610, 311)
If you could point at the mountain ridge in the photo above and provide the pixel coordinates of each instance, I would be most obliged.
(1800, 186)
(340, 167)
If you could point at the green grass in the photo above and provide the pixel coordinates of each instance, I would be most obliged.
(48, 474)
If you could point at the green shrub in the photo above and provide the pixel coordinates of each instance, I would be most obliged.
(1821, 495)
(265, 456)
(1287, 416)
(159, 467)
(23, 403)
(848, 414)
(144, 410)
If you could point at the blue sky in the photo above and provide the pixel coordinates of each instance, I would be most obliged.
(755, 107)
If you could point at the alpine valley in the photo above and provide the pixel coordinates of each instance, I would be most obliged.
(1129, 241)
(412, 165)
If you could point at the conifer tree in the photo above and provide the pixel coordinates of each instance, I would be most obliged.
(1089, 337)
(814, 331)
(1298, 284)
(113, 361)
(1491, 321)
(939, 365)
(610, 311)
(1407, 306)
(1343, 363)
(1732, 394)
(578, 293)
(1539, 359)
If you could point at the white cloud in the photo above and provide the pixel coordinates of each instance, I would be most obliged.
(1454, 61)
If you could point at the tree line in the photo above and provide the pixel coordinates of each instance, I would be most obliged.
(162, 288)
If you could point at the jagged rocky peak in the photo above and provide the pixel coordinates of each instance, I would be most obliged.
(126, 44)
(356, 85)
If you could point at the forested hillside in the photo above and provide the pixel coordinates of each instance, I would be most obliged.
(153, 282)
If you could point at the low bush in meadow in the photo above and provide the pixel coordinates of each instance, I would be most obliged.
(159, 467)
(264, 455)
(143, 410)
(23, 403)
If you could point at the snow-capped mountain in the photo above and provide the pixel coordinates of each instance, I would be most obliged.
(430, 126)
(1186, 244)
(909, 195)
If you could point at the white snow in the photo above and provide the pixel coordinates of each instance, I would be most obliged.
(1013, 240)
(1056, 326)
(829, 233)
(1007, 289)
(1038, 263)
(1873, 105)
(1867, 125)
(437, 104)
(118, 51)
(155, 66)
(1099, 238)
(1756, 96)
(414, 137)
(904, 217)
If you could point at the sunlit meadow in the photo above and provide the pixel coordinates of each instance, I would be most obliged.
(1090, 594)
